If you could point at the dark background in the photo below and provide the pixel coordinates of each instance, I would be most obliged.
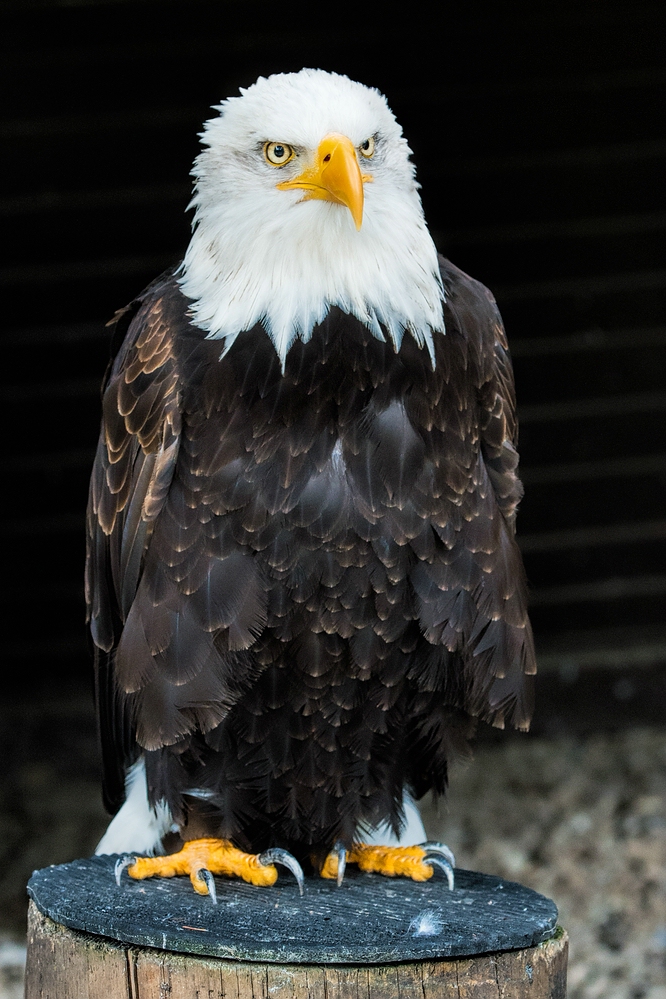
(537, 134)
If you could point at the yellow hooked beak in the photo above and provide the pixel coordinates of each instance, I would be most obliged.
(334, 176)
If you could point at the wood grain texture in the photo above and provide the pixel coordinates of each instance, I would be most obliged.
(67, 964)
(373, 921)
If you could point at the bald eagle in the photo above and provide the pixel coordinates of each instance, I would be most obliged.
(302, 578)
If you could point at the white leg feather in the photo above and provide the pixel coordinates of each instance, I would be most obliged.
(137, 827)
(412, 833)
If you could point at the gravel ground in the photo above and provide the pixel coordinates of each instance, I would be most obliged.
(582, 820)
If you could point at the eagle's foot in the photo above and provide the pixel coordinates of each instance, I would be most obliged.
(415, 862)
(201, 858)
(335, 864)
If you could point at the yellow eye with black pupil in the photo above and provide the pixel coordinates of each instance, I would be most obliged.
(367, 148)
(278, 153)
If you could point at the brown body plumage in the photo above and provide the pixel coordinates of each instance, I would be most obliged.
(304, 587)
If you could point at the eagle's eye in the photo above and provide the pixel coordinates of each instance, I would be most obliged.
(367, 148)
(278, 153)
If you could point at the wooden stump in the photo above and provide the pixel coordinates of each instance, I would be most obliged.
(374, 937)
(68, 964)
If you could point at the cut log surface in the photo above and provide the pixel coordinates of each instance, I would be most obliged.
(370, 919)
(488, 939)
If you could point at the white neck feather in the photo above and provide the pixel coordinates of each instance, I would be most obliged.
(260, 255)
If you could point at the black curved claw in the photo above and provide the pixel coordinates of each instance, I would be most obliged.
(341, 853)
(205, 875)
(439, 849)
(121, 864)
(443, 865)
(278, 856)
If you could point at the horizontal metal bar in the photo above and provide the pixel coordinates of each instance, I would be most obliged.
(576, 409)
(614, 225)
(592, 83)
(581, 471)
(77, 270)
(601, 284)
(50, 4)
(148, 118)
(625, 647)
(601, 590)
(77, 458)
(47, 649)
(82, 270)
(530, 543)
(48, 462)
(48, 588)
(593, 537)
(51, 390)
(152, 50)
(624, 152)
(63, 523)
(60, 333)
(588, 341)
(569, 663)
(61, 201)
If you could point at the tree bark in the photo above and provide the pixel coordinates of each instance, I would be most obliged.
(67, 964)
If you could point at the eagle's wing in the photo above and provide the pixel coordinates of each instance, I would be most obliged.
(471, 596)
(511, 693)
(175, 602)
(133, 468)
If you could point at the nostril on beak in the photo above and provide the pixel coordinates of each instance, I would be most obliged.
(327, 157)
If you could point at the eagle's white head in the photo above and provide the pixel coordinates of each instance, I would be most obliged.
(305, 198)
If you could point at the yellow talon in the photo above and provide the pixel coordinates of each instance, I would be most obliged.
(218, 856)
(330, 868)
(392, 861)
